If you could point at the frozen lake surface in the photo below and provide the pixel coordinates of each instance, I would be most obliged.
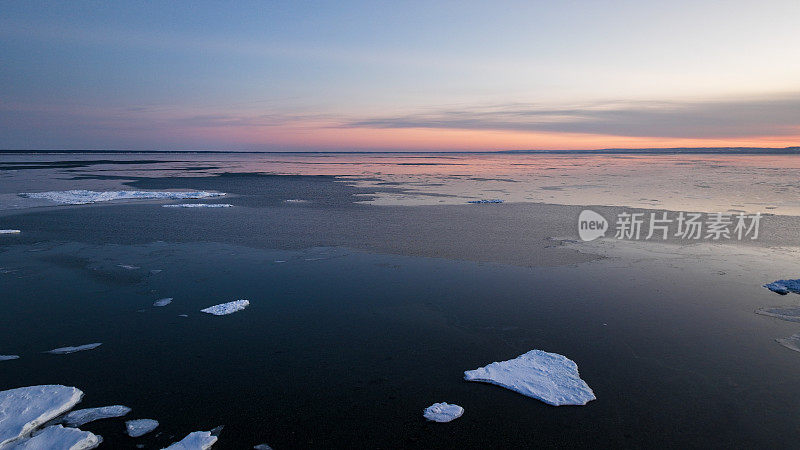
(358, 300)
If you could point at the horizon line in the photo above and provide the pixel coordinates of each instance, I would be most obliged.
(648, 150)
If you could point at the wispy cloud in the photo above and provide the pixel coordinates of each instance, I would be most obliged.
(154, 117)
(777, 115)
(25, 125)
(766, 121)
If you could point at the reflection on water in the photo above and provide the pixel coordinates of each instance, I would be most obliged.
(693, 182)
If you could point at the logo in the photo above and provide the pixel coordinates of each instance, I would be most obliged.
(591, 225)
(671, 225)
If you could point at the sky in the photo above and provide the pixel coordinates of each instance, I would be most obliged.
(398, 75)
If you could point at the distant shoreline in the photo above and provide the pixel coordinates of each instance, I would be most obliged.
(609, 151)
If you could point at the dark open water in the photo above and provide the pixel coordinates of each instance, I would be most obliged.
(343, 348)
(340, 348)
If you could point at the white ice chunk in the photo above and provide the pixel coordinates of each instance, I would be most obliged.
(80, 348)
(790, 313)
(262, 447)
(199, 205)
(8, 357)
(784, 287)
(443, 412)
(128, 266)
(82, 197)
(82, 416)
(58, 437)
(140, 427)
(295, 200)
(227, 308)
(197, 440)
(792, 342)
(549, 377)
(24, 409)
(10, 231)
(163, 301)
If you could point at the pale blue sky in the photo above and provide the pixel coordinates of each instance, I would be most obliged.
(123, 74)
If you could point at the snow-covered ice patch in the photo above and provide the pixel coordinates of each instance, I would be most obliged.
(549, 377)
(128, 266)
(10, 231)
(295, 200)
(790, 313)
(8, 357)
(58, 437)
(140, 427)
(262, 447)
(82, 416)
(784, 287)
(197, 440)
(199, 205)
(83, 197)
(24, 409)
(163, 301)
(792, 342)
(494, 200)
(227, 308)
(80, 348)
(443, 412)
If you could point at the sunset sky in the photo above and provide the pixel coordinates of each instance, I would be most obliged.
(398, 75)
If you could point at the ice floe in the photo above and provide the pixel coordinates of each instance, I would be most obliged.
(443, 412)
(8, 357)
(790, 313)
(262, 447)
(140, 427)
(199, 205)
(163, 301)
(227, 308)
(128, 266)
(10, 231)
(197, 440)
(24, 409)
(494, 200)
(58, 437)
(82, 416)
(792, 342)
(82, 197)
(295, 200)
(549, 377)
(80, 348)
(784, 287)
